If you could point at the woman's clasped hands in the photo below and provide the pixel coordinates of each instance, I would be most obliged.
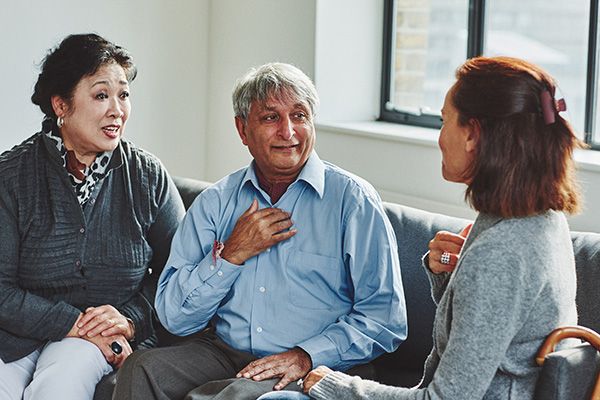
(102, 326)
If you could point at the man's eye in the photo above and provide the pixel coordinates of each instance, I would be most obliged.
(102, 96)
(270, 117)
(300, 115)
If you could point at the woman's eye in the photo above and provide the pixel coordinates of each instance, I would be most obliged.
(300, 116)
(102, 96)
(125, 94)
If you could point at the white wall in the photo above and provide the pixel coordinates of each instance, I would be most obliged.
(244, 34)
(169, 45)
(190, 55)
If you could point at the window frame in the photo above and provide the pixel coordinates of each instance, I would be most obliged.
(475, 44)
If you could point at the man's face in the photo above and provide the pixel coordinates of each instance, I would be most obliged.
(280, 135)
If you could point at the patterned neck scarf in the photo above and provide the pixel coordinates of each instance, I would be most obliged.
(82, 178)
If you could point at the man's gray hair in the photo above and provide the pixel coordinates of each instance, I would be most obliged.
(273, 79)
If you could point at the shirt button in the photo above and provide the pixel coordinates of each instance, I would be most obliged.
(82, 230)
(78, 263)
(259, 329)
(269, 250)
(92, 201)
(220, 273)
(262, 289)
(212, 267)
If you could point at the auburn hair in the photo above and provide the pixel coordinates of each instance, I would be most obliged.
(522, 166)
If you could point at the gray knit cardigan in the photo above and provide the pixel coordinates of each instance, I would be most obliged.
(57, 259)
(514, 283)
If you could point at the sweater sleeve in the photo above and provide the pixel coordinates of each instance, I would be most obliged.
(170, 212)
(493, 292)
(22, 313)
(438, 282)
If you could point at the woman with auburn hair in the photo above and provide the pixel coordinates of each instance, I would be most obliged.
(514, 281)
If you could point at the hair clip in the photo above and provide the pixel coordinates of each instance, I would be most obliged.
(550, 107)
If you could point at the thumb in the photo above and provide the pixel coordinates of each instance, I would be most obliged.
(253, 207)
(465, 232)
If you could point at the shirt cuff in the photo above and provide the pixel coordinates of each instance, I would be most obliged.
(219, 274)
(322, 351)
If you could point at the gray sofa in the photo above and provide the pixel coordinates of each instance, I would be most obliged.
(414, 229)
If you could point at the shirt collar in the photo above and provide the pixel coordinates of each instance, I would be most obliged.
(313, 173)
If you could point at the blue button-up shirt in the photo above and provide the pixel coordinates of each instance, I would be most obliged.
(334, 289)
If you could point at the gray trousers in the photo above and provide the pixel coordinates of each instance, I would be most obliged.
(198, 369)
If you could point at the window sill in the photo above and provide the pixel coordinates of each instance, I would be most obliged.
(587, 160)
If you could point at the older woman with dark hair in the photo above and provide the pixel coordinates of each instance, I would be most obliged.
(514, 279)
(85, 217)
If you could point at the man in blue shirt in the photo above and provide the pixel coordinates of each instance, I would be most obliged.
(290, 262)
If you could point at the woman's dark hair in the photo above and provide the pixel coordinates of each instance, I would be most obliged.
(77, 56)
(522, 165)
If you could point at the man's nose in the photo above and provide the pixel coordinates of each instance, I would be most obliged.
(286, 130)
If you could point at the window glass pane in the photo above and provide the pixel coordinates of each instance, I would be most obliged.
(429, 43)
(550, 33)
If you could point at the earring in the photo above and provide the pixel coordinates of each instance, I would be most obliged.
(60, 121)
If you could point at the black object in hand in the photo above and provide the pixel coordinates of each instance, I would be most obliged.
(116, 348)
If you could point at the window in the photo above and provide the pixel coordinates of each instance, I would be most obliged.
(424, 42)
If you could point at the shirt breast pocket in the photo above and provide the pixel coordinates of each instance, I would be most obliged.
(314, 279)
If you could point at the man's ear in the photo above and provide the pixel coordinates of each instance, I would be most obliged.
(240, 125)
(473, 136)
(59, 105)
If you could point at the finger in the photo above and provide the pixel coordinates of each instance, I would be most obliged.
(123, 356)
(108, 354)
(258, 370)
(117, 329)
(444, 236)
(439, 247)
(269, 216)
(269, 373)
(90, 314)
(281, 236)
(257, 366)
(102, 323)
(283, 382)
(246, 370)
(465, 232)
(253, 207)
(281, 225)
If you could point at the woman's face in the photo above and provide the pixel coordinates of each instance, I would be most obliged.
(95, 118)
(457, 143)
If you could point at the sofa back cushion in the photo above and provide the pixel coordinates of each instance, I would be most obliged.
(414, 229)
(587, 261)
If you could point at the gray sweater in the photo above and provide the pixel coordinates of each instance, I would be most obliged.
(57, 259)
(514, 283)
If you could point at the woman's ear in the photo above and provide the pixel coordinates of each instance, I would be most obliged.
(59, 106)
(473, 136)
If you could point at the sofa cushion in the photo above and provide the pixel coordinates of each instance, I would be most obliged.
(569, 374)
